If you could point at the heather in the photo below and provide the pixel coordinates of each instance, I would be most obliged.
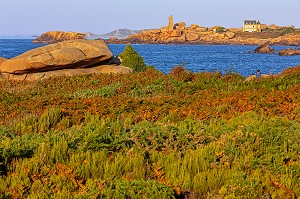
(151, 135)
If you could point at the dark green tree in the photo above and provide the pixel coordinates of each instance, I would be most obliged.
(132, 59)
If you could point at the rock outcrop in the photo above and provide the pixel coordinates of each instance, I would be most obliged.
(180, 34)
(253, 77)
(67, 72)
(264, 48)
(201, 36)
(195, 34)
(2, 59)
(63, 55)
(289, 52)
(291, 39)
(58, 36)
(291, 70)
(114, 69)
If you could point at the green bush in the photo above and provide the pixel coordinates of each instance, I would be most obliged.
(132, 59)
(106, 91)
(287, 31)
(220, 29)
(34, 124)
(137, 189)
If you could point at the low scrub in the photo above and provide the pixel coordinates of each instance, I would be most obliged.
(151, 135)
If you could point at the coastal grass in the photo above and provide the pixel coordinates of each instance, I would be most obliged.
(151, 135)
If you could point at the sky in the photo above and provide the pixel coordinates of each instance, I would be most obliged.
(99, 17)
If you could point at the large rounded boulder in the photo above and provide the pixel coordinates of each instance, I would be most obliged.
(63, 55)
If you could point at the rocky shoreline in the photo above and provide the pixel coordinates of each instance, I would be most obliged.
(162, 36)
(58, 36)
(292, 39)
(179, 33)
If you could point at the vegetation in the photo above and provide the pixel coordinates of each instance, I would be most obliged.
(132, 59)
(151, 135)
(220, 29)
(288, 30)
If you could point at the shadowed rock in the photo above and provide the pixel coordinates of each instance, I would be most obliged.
(67, 72)
(264, 48)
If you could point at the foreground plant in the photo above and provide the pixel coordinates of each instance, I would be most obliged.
(150, 135)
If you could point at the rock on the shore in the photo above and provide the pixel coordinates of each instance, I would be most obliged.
(181, 34)
(253, 77)
(287, 40)
(2, 59)
(67, 72)
(230, 35)
(114, 69)
(208, 37)
(289, 52)
(192, 36)
(264, 48)
(195, 34)
(291, 70)
(63, 55)
(58, 36)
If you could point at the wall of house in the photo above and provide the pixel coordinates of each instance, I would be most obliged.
(252, 28)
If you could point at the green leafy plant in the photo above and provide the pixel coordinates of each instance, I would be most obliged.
(107, 91)
(220, 29)
(132, 59)
(287, 30)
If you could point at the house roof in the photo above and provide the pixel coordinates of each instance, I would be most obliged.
(250, 22)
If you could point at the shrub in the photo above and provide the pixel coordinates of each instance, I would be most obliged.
(287, 30)
(106, 92)
(132, 59)
(41, 124)
(181, 74)
(220, 29)
(137, 189)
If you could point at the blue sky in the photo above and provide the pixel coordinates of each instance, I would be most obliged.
(98, 16)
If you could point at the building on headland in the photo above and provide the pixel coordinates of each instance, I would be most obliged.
(252, 26)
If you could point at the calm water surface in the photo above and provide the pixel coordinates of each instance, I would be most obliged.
(197, 58)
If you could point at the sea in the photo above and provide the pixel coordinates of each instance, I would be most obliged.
(196, 58)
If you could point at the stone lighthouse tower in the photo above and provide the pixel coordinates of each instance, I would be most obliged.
(171, 24)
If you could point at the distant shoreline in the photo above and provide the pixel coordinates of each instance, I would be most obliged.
(18, 37)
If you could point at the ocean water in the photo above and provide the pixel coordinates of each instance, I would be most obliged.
(197, 58)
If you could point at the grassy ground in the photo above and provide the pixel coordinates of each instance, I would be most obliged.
(151, 135)
(258, 35)
(266, 34)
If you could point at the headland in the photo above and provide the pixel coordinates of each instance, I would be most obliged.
(180, 33)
